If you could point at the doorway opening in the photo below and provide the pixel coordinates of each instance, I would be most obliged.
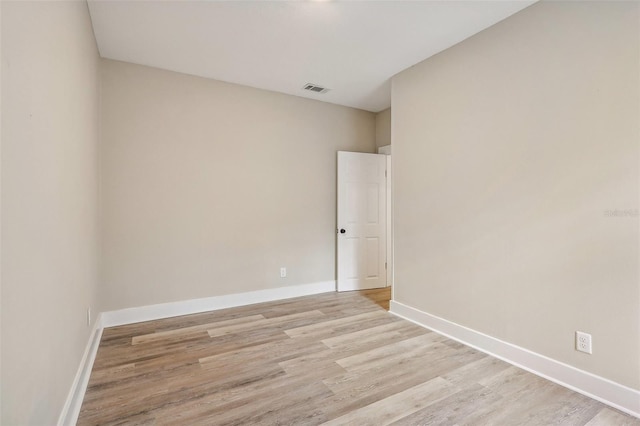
(364, 231)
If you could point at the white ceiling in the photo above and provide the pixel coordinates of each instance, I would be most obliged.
(351, 47)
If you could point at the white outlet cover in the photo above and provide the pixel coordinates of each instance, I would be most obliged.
(583, 342)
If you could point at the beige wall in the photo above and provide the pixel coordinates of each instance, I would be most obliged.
(208, 188)
(49, 203)
(509, 149)
(383, 128)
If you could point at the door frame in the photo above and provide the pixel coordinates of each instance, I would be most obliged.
(386, 150)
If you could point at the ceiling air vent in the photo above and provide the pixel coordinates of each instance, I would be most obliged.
(315, 88)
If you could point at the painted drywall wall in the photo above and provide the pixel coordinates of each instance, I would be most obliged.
(208, 188)
(516, 183)
(383, 128)
(49, 203)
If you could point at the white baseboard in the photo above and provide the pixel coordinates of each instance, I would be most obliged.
(194, 306)
(71, 409)
(604, 390)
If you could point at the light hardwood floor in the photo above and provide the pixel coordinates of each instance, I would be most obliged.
(335, 358)
(379, 296)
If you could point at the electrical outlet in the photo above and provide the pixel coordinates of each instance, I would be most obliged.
(283, 272)
(88, 316)
(583, 342)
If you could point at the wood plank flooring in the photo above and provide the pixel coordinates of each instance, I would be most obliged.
(380, 296)
(334, 358)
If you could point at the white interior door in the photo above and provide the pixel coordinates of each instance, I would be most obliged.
(361, 221)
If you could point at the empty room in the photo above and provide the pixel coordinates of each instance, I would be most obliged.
(319, 212)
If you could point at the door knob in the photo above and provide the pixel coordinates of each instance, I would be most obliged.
(342, 231)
